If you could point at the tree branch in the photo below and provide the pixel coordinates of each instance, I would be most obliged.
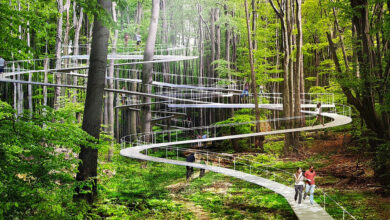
(275, 9)
(201, 17)
(347, 91)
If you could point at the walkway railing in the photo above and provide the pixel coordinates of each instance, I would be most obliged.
(230, 161)
(252, 167)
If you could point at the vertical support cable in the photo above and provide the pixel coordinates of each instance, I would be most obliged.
(325, 200)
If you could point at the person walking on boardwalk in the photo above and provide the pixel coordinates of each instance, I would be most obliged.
(202, 171)
(126, 39)
(2, 64)
(246, 90)
(310, 183)
(319, 116)
(299, 178)
(190, 158)
(138, 38)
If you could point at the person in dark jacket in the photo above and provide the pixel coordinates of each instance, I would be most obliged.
(190, 158)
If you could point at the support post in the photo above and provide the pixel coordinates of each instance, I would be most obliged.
(324, 202)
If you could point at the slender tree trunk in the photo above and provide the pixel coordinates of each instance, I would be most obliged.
(57, 93)
(259, 141)
(298, 73)
(66, 43)
(337, 27)
(283, 14)
(29, 86)
(77, 26)
(201, 52)
(93, 106)
(254, 19)
(138, 14)
(212, 40)
(164, 36)
(133, 114)
(217, 35)
(110, 96)
(200, 46)
(45, 80)
(147, 76)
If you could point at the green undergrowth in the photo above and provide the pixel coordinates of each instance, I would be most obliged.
(240, 199)
(130, 189)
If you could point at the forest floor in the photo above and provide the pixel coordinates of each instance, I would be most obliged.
(216, 196)
(176, 195)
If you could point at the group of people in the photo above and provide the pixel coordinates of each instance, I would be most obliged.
(245, 92)
(305, 180)
(137, 37)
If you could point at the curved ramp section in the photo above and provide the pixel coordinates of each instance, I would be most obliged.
(303, 212)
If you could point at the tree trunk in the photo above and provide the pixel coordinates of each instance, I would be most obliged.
(164, 36)
(259, 141)
(217, 36)
(138, 14)
(110, 107)
(67, 47)
(147, 75)
(29, 86)
(57, 93)
(212, 39)
(337, 27)
(298, 73)
(201, 53)
(77, 26)
(133, 114)
(45, 80)
(254, 19)
(93, 105)
(283, 14)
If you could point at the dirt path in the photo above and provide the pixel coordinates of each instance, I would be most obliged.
(175, 190)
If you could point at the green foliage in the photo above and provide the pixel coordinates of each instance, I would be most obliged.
(382, 164)
(38, 162)
(222, 67)
(132, 189)
(241, 199)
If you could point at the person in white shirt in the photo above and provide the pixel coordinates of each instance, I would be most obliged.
(138, 38)
(319, 116)
(2, 64)
(299, 178)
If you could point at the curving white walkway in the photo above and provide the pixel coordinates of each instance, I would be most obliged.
(305, 211)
